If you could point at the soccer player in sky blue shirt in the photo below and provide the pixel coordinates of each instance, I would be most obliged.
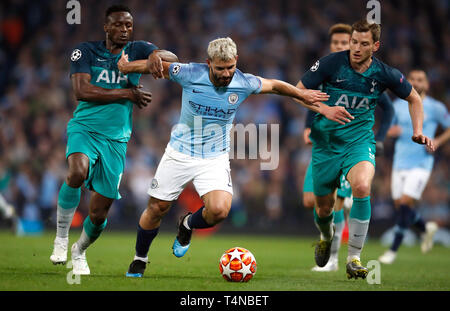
(199, 144)
(413, 164)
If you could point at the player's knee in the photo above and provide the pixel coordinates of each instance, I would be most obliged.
(406, 200)
(308, 201)
(324, 211)
(361, 189)
(158, 209)
(76, 176)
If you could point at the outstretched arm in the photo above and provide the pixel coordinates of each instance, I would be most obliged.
(337, 113)
(152, 65)
(416, 113)
(311, 97)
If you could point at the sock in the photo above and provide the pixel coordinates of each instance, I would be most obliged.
(339, 222)
(406, 217)
(196, 220)
(90, 233)
(399, 233)
(418, 222)
(143, 240)
(358, 225)
(325, 225)
(68, 200)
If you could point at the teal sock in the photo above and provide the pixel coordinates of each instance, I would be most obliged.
(339, 216)
(68, 197)
(358, 225)
(361, 209)
(324, 225)
(90, 233)
(92, 230)
(68, 200)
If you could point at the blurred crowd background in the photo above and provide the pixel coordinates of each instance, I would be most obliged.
(275, 39)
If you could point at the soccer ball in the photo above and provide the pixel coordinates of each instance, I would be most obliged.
(237, 265)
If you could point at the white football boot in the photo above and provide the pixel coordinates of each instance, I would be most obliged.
(427, 238)
(388, 257)
(59, 254)
(79, 262)
(332, 265)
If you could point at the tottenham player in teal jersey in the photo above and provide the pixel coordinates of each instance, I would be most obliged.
(413, 164)
(340, 41)
(100, 129)
(199, 144)
(355, 80)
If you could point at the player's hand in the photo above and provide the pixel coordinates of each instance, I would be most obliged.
(379, 146)
(122, 63)
(336, 113)
(313, 97)
(424, 140)
(140, 97)
(154, 65)
(306, 133)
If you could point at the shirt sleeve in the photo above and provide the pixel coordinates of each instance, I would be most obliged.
(442, 115)
(397, 83)
(180, 73)
(144, 49)
(385, 104)
(319, 72)
(80, 59)
(255, 84)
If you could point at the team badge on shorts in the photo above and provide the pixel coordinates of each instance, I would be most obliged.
(233, 98)
(76, 55)
(154, 184)
(176, 69)
(315, 66)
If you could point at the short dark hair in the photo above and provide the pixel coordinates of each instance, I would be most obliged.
(364, 26)
(340, 28)
(116, 8)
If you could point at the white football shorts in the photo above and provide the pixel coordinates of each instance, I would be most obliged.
(176, 170)
(409, 182)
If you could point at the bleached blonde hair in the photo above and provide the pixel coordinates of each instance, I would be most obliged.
(222, 48)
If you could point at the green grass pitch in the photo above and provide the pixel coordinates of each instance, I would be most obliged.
(284, 264)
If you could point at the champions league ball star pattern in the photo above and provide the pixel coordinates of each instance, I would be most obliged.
(237, 265)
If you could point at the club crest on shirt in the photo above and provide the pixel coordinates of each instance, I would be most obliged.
(76, 54)
(315, 66)
(154, 184)
(233, 98)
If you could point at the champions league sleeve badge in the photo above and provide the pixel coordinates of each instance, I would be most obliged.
(315, 66)
(176, 69)
(76, 55)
